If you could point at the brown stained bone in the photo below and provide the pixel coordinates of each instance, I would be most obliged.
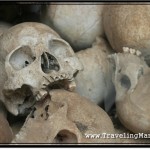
(128, 25)
(65, 117)
(133, 110)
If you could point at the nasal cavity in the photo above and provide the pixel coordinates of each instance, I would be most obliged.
(49, 63)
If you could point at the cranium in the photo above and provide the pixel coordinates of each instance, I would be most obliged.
(72, 23)
(132, 85)
(124, 25)
(65, 117)
(95, 81)
(35, 58)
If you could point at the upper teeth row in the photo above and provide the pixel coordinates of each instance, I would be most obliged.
(61, 77)
(132, 51)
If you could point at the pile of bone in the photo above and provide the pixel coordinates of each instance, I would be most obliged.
(71, 71)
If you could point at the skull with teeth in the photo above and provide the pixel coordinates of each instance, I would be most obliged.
(35, 58)
(131, 79)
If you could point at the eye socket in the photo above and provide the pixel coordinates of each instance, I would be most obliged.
(60, 48)
(21, 58)
(125, 82)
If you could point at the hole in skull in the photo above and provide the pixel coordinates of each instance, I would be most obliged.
(32, 113)
(65, 136)
(48, 63)
(23, 98)
(125, 82)
(45, 115)
(26, 63)
(15, 122)
(29, 101)
(21, 58)
(46, 108)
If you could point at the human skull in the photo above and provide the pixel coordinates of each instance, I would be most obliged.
(95, 81)
(65, 117)
(72, 23)
(132, 85)
(130, 25)
(35, 58)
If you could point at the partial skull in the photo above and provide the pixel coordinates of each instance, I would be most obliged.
(72, 23)
(130, 25)
(34, 58)
(95, 81)
(131, 79)
(65, 117)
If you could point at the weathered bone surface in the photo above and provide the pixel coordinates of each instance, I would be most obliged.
(65, 117)
(79, 24)
(128, 26)
(33, 58)
(95, 81)
(132, 85)
(6, 134)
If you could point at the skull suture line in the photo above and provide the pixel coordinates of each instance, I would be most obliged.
(35, 58)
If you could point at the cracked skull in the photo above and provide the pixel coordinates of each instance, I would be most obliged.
(131, 81)
(36, 58)
(65, 117)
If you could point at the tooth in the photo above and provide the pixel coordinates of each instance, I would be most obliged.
(125, 49)
(37, 97)
(41, 95)
(72, 86)
(132, 51)
(138, 53)
(51, 79)
(61, 77)
(70, 78)
(56, 78)
(67, 75)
